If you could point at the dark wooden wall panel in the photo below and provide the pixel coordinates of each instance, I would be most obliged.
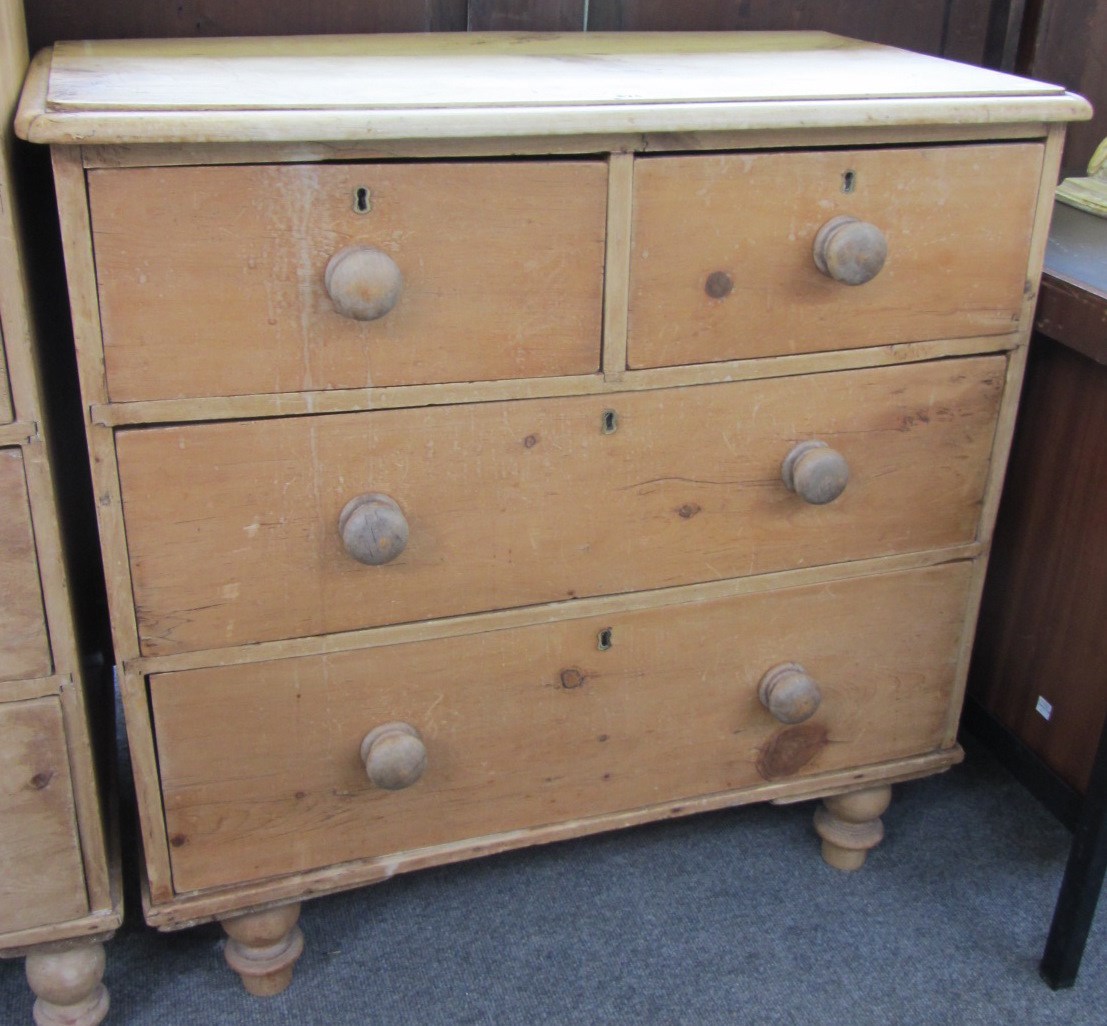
(49, 20)
(954, 27)
(966, 30)
(1065, 41)
(915, 24)
(526, 15)
(1042, 619)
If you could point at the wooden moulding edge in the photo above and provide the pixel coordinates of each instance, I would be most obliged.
(40, 124)
(390, 397)
(549, 612)
(111, 155)
(97, 926)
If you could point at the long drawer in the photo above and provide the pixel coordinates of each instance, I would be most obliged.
(215, 280)
(24, 643)
(723, 261)
(261, 765)
(233, 528)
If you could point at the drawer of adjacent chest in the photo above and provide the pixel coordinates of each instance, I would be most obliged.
(750, 255)
(242, 532)
(40, 827)
(238, 280)
(24, 644)
(6, 411)
(279, 767)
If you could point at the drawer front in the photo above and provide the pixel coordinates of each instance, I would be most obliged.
(212, 279)
(723, 265)
(233, 528)
(261, 767)
(39, 822)
(24, 643)
(6, 411)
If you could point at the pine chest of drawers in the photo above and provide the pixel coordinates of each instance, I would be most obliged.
(499, 439)
(60, 895)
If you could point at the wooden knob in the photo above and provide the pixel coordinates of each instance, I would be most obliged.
(394, 756)
(850, 250)
(789, 693)
(815, 472)
(373, 528)
(363, 282)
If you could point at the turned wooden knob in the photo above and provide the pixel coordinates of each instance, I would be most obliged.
(789, 693)
(850, 250)
(363, 282)
(373, 528)
(815, 472)
(394, 755)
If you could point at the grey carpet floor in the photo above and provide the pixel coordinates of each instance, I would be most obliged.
(726, 918)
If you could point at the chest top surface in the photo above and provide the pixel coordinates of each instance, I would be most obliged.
(476, 84)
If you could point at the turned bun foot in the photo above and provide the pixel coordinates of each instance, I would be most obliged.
(262, 947)
(67, 986)
(850, 825)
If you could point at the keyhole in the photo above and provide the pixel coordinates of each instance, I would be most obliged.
(363, 200)
(849, 181)
(609, 422)
(603, 639)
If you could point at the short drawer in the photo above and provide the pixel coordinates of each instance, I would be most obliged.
(234, 532)
(724, 267)
(41, 874)
(214, 280)
(261, 764)
(24, 642)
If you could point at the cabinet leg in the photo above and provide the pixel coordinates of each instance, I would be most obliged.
(849, 825)
(67, 985)
(262, 947)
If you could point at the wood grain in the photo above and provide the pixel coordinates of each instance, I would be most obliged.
(42, 882)
(532, 726)
(755, 218)
(232, 528)
(24, 645)
(502, 266)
